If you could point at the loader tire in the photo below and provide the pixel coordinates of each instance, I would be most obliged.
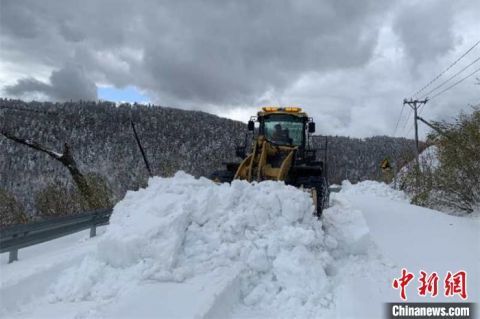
(319, 185)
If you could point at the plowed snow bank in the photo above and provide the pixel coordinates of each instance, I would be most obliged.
(373, 188)
(180, 227)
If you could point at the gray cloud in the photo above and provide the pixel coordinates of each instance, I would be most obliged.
(18, 21)
(68, 83)
(347, 61)
(27, 85)
(426, 29)
(198, 52)
(231, 52)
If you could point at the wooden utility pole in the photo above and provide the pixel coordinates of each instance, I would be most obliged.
(415, 105)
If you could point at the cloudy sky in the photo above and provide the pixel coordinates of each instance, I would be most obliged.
(349, 63)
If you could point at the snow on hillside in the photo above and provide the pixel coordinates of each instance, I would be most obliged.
(190, 248)
(428, 158)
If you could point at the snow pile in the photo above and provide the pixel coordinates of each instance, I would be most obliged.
(198, 233)
(373, 188)
(346, 229)
(181, 227)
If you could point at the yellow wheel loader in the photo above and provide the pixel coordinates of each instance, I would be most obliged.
(281, 150)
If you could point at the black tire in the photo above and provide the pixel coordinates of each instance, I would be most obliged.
(222, 176)
(324, 199)
(321, 187)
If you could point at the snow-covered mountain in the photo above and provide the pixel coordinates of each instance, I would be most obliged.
(103, 143)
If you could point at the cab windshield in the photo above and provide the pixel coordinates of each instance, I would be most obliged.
(284, 129)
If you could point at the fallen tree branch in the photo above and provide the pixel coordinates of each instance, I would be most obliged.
(67, 160)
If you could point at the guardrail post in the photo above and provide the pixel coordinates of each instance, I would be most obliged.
(16, 237)
(93, 231)
(13, 256)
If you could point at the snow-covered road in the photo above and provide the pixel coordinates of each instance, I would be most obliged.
(189, 248)
(411, 237)
(420, 238)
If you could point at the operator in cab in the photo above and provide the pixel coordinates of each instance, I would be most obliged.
(281, 135)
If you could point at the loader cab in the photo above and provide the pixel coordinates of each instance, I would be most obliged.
(287, 126)
(283, 129)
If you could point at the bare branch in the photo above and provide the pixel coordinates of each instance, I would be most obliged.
(32, 144)
(66, 158)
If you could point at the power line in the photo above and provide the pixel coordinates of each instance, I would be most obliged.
(449, 79)
(398, 120)
(452, 77)
(410, 128)
(448, 68)
(415, 105)
(437, 77)
(406, 121)
(455, 84)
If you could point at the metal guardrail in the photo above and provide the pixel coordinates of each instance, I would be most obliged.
(15, 237)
